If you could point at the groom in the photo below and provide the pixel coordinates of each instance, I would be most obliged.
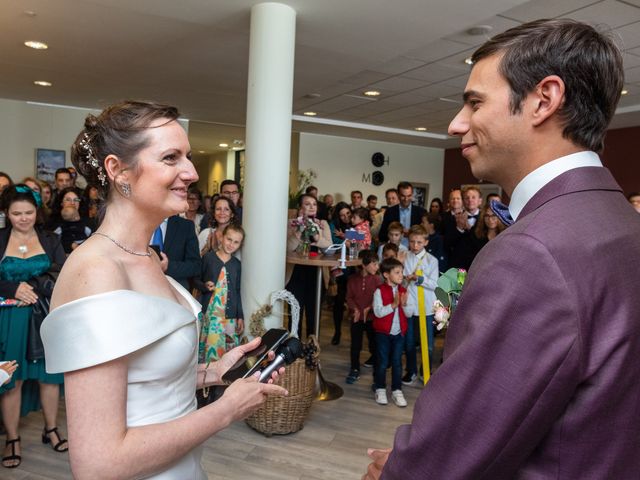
(542, 358)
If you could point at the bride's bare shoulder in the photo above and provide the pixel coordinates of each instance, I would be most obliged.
(88, 271)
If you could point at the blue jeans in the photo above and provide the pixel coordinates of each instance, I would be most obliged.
(413, 334)
(385, 345)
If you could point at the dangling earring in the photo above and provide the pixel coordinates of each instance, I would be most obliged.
(125, 189)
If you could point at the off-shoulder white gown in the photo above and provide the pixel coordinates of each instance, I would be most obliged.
(161, 338)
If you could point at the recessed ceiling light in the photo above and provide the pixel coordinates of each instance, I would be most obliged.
(372, 93)
(468, 61)
(36, 45)
(310, 114)
(42, 83)
(624, 92)
(479, 30)
(223, 145)
(421, 129)
(201, 151)
(29, 13)
(237, 148)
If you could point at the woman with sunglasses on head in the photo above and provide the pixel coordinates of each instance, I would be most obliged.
(30, 258)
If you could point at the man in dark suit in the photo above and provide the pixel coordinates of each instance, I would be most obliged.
(458, 230)
(405, 212)
(180, 255)
(540, 377)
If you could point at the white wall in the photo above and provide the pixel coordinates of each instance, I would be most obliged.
(25, 127)
(341, 162)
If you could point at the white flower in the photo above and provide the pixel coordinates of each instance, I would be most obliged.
(441, 315)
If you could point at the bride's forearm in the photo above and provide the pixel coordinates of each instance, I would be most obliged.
(208, 375)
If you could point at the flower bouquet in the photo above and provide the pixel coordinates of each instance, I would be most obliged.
(308, 229)
(448, 292)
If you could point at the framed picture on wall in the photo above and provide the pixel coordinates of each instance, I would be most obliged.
(485, 188)
(420, 193)
(47, 162)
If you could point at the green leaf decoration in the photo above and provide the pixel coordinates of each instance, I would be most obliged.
(442, 296)
(448, 281)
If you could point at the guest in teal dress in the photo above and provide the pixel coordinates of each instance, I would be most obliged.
(26, 254)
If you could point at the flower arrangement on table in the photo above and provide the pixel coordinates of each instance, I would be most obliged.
(308, 229)
(448, 292)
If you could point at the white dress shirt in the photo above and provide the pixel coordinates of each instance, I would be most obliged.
(532, 183)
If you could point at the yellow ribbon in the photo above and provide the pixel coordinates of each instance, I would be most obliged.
(424, 339)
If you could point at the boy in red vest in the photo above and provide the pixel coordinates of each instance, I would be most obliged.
(390, 326)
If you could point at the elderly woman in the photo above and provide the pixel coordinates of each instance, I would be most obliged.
(29, 258)
(124, 334)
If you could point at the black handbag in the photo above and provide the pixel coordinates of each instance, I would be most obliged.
(35, 348)
(43, 287)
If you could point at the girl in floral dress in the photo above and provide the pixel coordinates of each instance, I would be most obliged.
(223, 319)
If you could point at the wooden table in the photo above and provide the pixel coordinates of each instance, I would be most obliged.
(324, 390)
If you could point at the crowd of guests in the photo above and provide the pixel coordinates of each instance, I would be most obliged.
(403, 249)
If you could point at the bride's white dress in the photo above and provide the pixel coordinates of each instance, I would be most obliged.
(160, 337)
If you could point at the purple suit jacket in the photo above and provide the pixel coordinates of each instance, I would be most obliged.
(541, 378)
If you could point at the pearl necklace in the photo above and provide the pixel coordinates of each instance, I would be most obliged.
(139, 254)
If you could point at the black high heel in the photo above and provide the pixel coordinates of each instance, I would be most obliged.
(13, 455)
(57, 447)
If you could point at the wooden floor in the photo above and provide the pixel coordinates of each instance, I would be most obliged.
(332, 444)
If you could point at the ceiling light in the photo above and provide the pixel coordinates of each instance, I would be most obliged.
(42, 83)
(468, 61)
(420, 129)
(624, 92)
(237, 148)
(36, 45)
(201, 151)
(479, 30)
(310, 114)
(223, 145)
(29, 13)
(372, 93)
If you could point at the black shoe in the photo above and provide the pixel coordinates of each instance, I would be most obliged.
(335, 340)
(368, 363)
(353, 376)
(409, 379)
(8, 461)
(60, 446)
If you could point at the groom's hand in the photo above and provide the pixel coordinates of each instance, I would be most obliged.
(379, 457)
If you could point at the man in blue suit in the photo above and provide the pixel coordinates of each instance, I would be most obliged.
(405, 212)
(180, 256)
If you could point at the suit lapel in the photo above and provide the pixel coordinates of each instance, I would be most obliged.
(170, 234)
(577, 180)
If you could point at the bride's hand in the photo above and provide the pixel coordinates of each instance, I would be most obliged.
(232, 357)
(246, 395)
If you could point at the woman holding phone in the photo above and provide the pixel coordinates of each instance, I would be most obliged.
(124, 334)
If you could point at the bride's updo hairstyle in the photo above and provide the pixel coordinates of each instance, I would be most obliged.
(119, 130)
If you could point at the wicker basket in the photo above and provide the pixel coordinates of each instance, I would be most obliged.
(282, 415)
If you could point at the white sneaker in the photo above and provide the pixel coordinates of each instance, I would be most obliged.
(398, 398)
(381, 396)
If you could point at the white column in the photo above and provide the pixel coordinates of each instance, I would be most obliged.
(268, 143)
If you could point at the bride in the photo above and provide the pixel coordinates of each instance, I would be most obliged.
(124, 334)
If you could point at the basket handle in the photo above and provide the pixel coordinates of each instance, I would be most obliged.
(287, 296)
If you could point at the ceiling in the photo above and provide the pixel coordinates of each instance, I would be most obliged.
(194, 54)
